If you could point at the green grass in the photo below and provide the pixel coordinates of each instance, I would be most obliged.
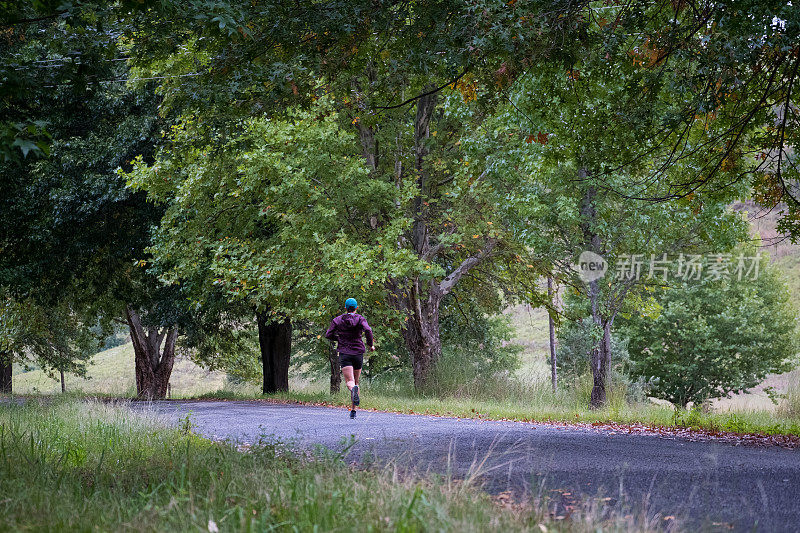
(69, 465)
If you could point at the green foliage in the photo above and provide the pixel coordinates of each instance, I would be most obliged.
(50, 337)
(234, 59)
(344, 212)
(576, 339)
(714, 338)
(69, 227)
(24, 139)
(474, 350)
(229, 345)
(261, 224)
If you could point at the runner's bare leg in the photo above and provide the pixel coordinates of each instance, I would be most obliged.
(350, 380)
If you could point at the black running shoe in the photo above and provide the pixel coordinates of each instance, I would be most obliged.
(354, 395)
(353, 413)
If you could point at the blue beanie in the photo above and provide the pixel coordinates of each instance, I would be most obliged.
(350, 302)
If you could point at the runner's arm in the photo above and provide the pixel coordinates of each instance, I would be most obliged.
(331, 333)
(367, 332)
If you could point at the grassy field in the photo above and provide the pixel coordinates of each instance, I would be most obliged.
(79, 466)
(111, 373)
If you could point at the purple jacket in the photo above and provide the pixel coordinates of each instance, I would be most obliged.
(346, 329)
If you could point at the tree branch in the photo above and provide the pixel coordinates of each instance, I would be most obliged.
(434, 250)
(422, 95)
(450, 281)
(32, 20)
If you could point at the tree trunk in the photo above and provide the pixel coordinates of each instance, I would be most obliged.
(5, 373)
(421, 329)
(601, 362)
(421, 305)
(336, 371)
(63, 385)
(275, 341)
(600, 354)
(551, 323)
(421, 333)
(598, 395)
(153, 366)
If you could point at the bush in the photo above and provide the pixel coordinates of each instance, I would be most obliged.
(474, 354)
(714, 338)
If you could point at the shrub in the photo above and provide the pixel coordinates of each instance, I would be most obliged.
(475, 353)
(714, 337)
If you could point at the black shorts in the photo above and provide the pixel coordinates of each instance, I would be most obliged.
(347, 359)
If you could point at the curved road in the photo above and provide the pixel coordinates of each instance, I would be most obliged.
(707, 485)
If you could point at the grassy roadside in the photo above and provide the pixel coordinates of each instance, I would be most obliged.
(545, 407)
(525, 396)
(75, 465)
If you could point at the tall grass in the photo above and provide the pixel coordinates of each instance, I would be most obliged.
(790, 404)
(70, 465)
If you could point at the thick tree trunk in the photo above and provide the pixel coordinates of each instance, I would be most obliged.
(552, 325)
(421, 334)
(5, 373)
(275, 340)
(153, 365)
(421, 330)
(421, 304)
(336, 370)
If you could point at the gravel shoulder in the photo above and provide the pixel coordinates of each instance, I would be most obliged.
(715, 486)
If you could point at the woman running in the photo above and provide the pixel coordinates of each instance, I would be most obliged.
(346, 329)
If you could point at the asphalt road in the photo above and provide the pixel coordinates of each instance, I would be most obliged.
(702, 483)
